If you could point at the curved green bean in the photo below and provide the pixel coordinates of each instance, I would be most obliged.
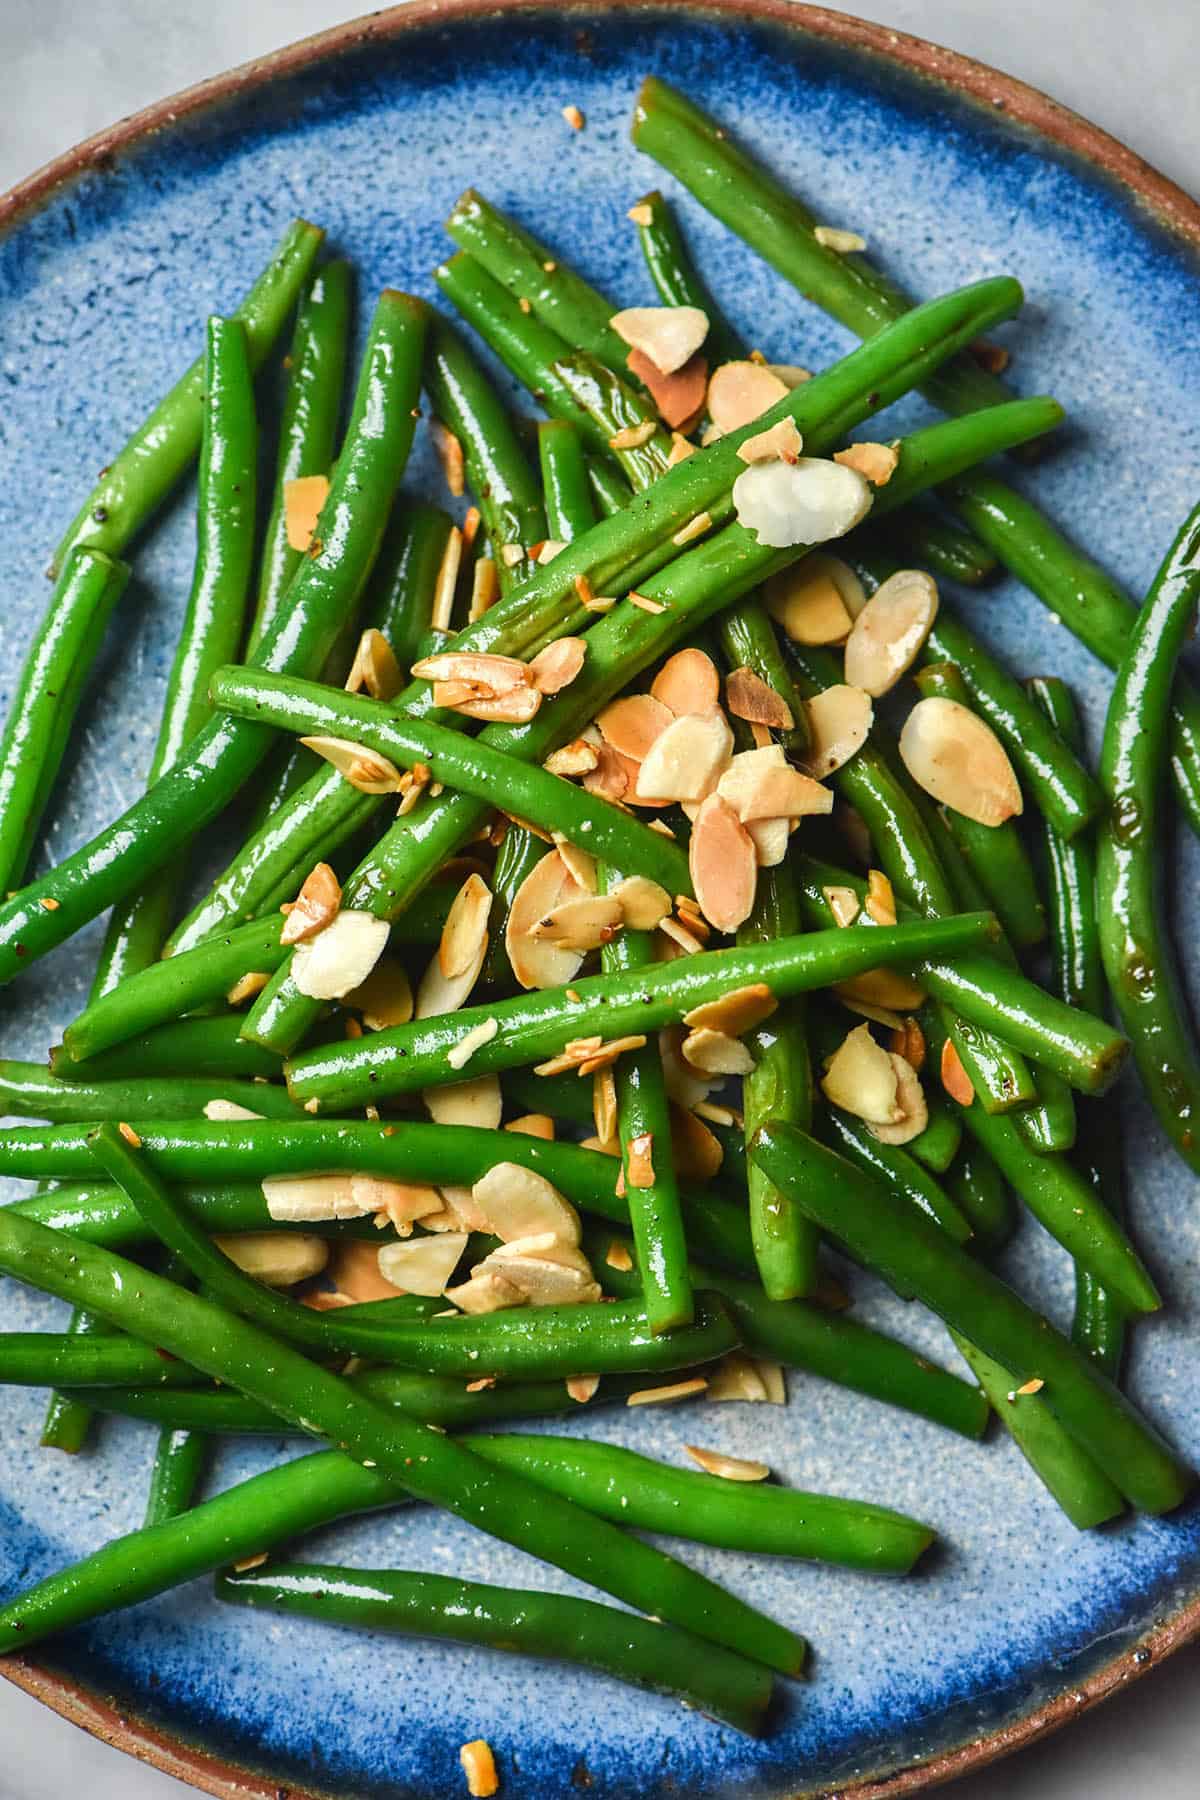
(566, 488)
(675, 277)
(180, 1459)
(903, 1173)
(983, 1197)
(27, 1091)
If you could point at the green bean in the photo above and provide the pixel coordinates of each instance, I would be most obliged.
(914, 1254)
(399, 596)
(27, 1091)
(226, 752)
(206, 1045)
(902, 1172)
(648, 1173)
(675, 277)
(178, 1468)
(68, 1421)
(468, 765)
(937, 1146)
(570, 507)
(143, 473)
(1085, 599)
(927, 540)
(995, 854)
(87, 1362)
(984, 1198)
(46, 697)
(617, 407)
(610, 490)
(308, 424)
(640, 1652)
(801, 1335)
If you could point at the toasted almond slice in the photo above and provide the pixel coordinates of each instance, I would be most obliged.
(608, 777)
(385, 998)
(832, 237)
(422, 1265)
(684, 1085)
(442, 605)
(324, 1300)
(809, 501)
(546, 1272)
(723, 864)
(575, 758)
(686, 761)
(641, 214)
(687, 683)
(602, 1146)
(583, 1388)
(465, 927)
(449, 453)
(604, 1105)
(579, 864)
(355, 1269)
(791, 374)
(227, 1112)
(686, 534)
(808, 605)
(737, 1377)
(910, 1098)
(297, 1199)
(471, 1041)
(581, 924)
(618, 1257)
(882, 987)
(639, 1161)
(697, 1153)
(374, 667)
(485, 587)
(512, 554)
(876, 462)
(677, 397)
(715, 1053)
(729, 1468)
(887, 635)
(548, 549)
(668, 1393)
(780, 443)
(556, 667)
(680, 450)
(761, 784)
(843, 903)
(576, 120)
(861, 1078)
(402, 1201)
(515, 707)
(955, 1079)
(518, 1204)
(770, 840)
(303, 499)
(536, 962)
(681, 940)
(633, 724)
(668, 335)
(712, 1114)
(955, 756)
(748, 697)
(485, 1293)
(739, 392)
(538, 1125)
(839, 719)
(247, 986)
(632, 437)
(607, 1054)
(643, 903)
(338, 959)
(456, 1211)
(881, 900)
(909, 1042)
(278, 1259)
(476, 1103)
(736, 1012)
(478, 668)
(364, 769)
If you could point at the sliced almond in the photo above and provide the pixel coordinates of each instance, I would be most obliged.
(587, 1055)
(876, 462)
(518, 1203)
(809, 501)
(679, 940)
(441, 609)
(604, 1105)
(686, 534)
(385, 998)
(839, 720)
(740, 392)
(303, 499)
(696, 1152)
(582, 1388)
(888, 988)
(633, 724)
(485, 1293)
(955, 1079)
(679, 397)
(779, 443)
(639, 1161)
(475, 668)
(909, 1042)
(364, 769)
(454, 970)
(576, 758)
(729, 1468)
(736, 1012)
(247, 986)
(607, 777)
(761, 784)
(456, 1211)
(737, 1377)
(807, 604)
(297, 1199)
(449, 452)
(485, 587)
(642, 902)
(339, 958)
(887, 636)
(536, 962)
(546, 1273)
(422, 1265)
(956, 757)
(714, 1053)
(668, 335)
(401, 1201)
(668, 1393)
(227, 1112)
(354, 1267)
(632, 437)
(723, 865)
(680, 450)
(842, 243)
(556, 667)
(471, 1041)
(581, 924)
(476, 1103)
(843, 903)
(687, 683)
(684, 1085)
(516, 706)
(686, 761)
(748, 697)
(910, 1098)
(618, 1257)
(861, 1078)
(580, 864)
(278, 1259)
(374, 667)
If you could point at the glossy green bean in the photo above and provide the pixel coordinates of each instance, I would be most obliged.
(206, 1045)
(931, 541)
(904, 1175)
(566, 488)
(937, 1146)
(68, 1421)
(984, 1198)
(617, 407)
(180, 1459)
(610, 490)
(675, 277)
(27, 1091)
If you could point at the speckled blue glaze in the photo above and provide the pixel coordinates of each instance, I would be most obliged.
(102, 294)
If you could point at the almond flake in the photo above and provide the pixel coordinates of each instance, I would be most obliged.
(303, 499)
(815, 600)
(485, 1292)
(485, 588)
(588, 1055)
(450, 454)
(729, 1468)
(781, 443)
(736, 1012)
(643, 903)
(476, 1103)
(549, 549)
(422, 1265)
(639, 1161)
(472, 520)
(482, 1385)
(693, 529)
(880, 903)
(770, 840)
(957, 758)
(992, 357)
(910, 1099)
(633, 724)
(385, 998)
(511, 555)
(536, 962)
(556, 667)
(955, 1079)
(668, 335)
(576, 758)
(740, 392)
(908, 1041)
(545, 1271)
(687, 683)
(341, 956)
(888, 634)
(713, 1053)
(719, 1115)
(748, 697)
(604, 1105)
(354, 1267)
(618, 1257)
(581, 924)
(723, 864)
(520, 1204)
(737, 1377)
(600, 603)
(538, 1125)
(576, 121)
(465, 927)
(49, 904)
(843, 903)
(839, 720)
(1034, 1386)
(632, 437)
(680, 450)
(606, 1055)
(862, 1079)
(806, 502)
(374, 667)
(583, 1388)
(877, 462)
(225, 1112)
(666, 1396)
(832, 237)
(130, 1135)
(761, 784)
(474, 1040)
(314, 907)
(687, 760)
(679, 934)
(441, 610)
(679, 397)
(641, 214)
(364, 769)
(696, 1152)
(644, 603)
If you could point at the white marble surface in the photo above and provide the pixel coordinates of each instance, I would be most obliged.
(71, 69)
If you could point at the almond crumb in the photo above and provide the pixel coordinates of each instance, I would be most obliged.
(582, 1388)
(1034, 1386)
(480, 1386)
(955, 1079)
(618, 1257)
(645, 604)
(693, 529)
(130, 1135)
(49, 903)
(250, 1562)
(663, 1396)
(574, 117)
(641, 214)
(479, 1767)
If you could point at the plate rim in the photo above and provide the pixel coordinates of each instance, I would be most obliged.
(1172, 208)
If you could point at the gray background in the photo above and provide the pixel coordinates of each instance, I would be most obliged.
(72, 68)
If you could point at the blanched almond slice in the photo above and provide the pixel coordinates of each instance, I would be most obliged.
(456, 1211)
(607, 777)
(807, 604)
(364, 769)
(296, 1199)
(454, 970)
(247, 986)
(478, 668)
(278, 1259)
(642, 902)
(519, 1203)
(538, 1125)
(770, 839)
(303, 499)
(449, 452)
(882, 987)
(697, 1153)
(739, 392)
(736, 1012)
(876, 462)
(485, 1293)
(687, 683)
(422, 1265)
(476, 1103)
(579, 864)
(737, 1377)
(880, 903)
(679, 397)
(669, 1393)
(686, 761)
(226, 1112)
(545, 1272)
(723, 865)
(385, 998)
(832, 237)
(955, 1079)
(806, 502)
(955, 756)
(402, 1201)
(583, 1387)
(339, 959)
(713, 1053)
(632, 725)
(485, 588)
(575, 758)
(632, 437)
(639, 1161)
(878, 1015)
(514, 707)
(374, 667)
(729, 1468)
(556, 667)
(748, 697)
(759, 784)
(910, 1098)
(356, 1274)
(843, 903)
(471, 1041)
(581, 924)
(839, 719)
(604, 1105)
(791, 374)
(780, 443)
(537, 963)
(888, 633)
(668, 335)
(860, 1078)
(687, 1088)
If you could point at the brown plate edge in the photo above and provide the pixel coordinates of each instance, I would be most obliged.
(1172, 208)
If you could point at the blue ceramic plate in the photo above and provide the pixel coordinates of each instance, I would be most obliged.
(109, 264)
